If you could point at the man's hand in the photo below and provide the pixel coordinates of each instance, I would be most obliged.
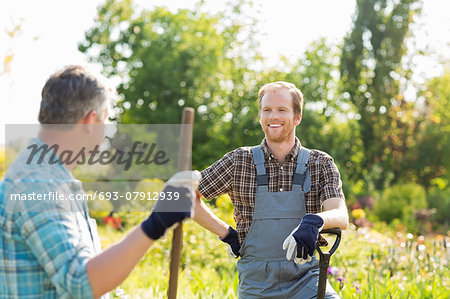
(304, 239)
(169, 213)
(233, 244)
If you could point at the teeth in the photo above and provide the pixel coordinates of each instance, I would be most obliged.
(274, 126)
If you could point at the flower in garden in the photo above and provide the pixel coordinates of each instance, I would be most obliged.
(121, 294)
(334, 271)
(362, 222)
(341, 281)
(114, 221)
(358, 213)
(356, 287)
(421, 240)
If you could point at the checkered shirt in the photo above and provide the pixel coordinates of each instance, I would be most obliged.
(235, 174)
(43, 254)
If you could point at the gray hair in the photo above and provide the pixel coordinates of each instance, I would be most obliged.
(71, 93)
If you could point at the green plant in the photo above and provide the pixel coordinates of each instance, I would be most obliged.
(369, 264)
(439, 200)
(400, 202)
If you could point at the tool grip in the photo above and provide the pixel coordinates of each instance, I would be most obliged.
(333, 231)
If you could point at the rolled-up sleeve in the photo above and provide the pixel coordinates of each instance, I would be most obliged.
(331, 181)
(54, 239)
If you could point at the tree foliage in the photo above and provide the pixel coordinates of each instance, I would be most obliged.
(430, 155)
(372, 75)
(169, 60)
(355, 108)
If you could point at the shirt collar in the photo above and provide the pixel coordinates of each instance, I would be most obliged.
(292, 154)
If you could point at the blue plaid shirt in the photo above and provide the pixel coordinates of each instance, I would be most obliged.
(44, 248)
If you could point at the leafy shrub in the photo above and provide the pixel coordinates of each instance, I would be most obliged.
(400, 202)
(439, 200)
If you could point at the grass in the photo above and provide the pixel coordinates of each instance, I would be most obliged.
(368, 264)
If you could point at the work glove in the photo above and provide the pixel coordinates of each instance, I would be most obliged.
(168, 213)
(233, 244)
(185, 179)
(304, 239)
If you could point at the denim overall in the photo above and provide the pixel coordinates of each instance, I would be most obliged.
(263, 269)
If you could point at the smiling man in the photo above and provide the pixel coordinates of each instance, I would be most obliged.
(283, 194)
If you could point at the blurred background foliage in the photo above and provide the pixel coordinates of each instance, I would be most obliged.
(355, 106)
(388, 134)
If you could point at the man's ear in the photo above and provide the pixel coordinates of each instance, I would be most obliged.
(88, 121)
(298, 119)
(89, 118)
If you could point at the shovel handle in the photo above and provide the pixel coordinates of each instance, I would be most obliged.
(184, 163)
(324, 261)
(333, 231)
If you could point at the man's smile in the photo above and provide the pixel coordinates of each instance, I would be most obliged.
(275, 125)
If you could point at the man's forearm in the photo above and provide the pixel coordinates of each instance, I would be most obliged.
(108, 269)
(208, 220)
(335, 213)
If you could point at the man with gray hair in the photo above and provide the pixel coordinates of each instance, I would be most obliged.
(71, 93)
(53, 250)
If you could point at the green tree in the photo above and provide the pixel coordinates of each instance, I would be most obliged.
(430, 155)
(169, 60)
(372, 74)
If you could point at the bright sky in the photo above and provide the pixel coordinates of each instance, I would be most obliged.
(51, 30)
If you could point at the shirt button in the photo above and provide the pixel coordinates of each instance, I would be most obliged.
(281, 168)
(281, 189)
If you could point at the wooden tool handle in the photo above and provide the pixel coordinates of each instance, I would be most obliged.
(184, 163)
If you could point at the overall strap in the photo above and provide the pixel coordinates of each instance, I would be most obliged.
(258, 159)
(302, 176)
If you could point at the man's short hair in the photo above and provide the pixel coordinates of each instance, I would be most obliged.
(296, 94)
(71, 93)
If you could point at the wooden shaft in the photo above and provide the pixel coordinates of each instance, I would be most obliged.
(184, 163)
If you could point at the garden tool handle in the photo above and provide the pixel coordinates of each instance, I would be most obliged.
(333, 231)
(184, 163)
(324, 261)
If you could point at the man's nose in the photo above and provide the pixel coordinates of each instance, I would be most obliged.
(274, 115)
